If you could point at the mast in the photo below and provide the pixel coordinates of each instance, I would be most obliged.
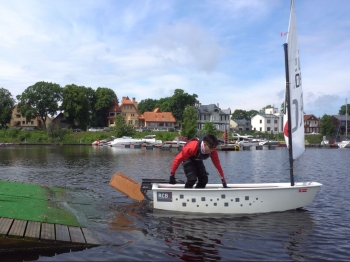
(287, 102)
(346, 119)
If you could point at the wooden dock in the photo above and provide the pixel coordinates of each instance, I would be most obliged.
(45, 234)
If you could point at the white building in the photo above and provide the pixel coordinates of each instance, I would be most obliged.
(271, 121)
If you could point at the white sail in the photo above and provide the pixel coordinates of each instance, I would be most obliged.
(296, 91)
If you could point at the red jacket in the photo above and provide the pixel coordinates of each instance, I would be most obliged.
(190, 150)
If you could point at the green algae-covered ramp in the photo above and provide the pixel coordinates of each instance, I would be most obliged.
(35, 203)
(34, 212)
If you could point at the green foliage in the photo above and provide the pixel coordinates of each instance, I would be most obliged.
(239, 114)
(342, 110)
(210, 129)
(177, 103)
(189, 122)
(262, 110)
(40, 99)
(327, 126)
(282, 108)
(147, 105)
(104, 100)
(121, 128)
(250, 114)
(6, 105)
(164, 104)
(76, 106)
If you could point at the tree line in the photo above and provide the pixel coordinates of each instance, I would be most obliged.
(82, 106)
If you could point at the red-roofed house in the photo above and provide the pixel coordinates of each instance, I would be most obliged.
(128, 109)
(158, 119)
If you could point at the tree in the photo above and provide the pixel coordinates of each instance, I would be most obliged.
(282, 108)
(164, 104)
(147, 105)
(179, 101)
(6, 106)
(342, 109)
(104, 100)
(210, 129)
(76, 106)
(40, 99)
(327, 126)
(239, 114)
(121, 128)
(189, 122)
(251, 113)
(262, 110)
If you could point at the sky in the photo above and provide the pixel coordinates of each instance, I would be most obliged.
(228, 52)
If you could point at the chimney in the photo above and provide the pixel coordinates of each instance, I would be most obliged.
(217, 104)
(133, 100)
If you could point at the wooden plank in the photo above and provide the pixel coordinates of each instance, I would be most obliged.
(62, 233)
(76, 235)
(47, 231)
(33, 230)
(5, 225)
(90, 237)
(18, 228)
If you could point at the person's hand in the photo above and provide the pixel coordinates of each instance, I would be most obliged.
(172, 180)
(224, 183)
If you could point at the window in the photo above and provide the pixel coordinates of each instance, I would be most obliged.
(130, 122)
(260, 128)
(268, 121)
(124, 114)
(260, 123)
(111, 114)
(275, 128)
(268, 129)
(132, 114)
(275, 121)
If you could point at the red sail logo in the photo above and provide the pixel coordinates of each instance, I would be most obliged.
(302, 190)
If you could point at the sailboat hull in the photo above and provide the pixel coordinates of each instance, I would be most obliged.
(237, 199)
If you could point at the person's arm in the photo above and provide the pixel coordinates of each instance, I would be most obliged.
(215, 158)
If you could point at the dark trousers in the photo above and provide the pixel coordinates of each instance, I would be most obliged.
(195, 169)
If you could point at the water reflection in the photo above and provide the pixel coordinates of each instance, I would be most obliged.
(203, 237)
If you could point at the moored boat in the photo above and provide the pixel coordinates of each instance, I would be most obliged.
(125, 140)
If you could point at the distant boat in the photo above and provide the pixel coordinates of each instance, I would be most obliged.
(125, 140)
(269, 143)
(151, 140)
(248, 142)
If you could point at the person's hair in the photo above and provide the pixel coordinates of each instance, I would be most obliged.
(211, 141)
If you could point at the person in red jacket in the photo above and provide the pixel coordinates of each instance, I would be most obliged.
(192, 156)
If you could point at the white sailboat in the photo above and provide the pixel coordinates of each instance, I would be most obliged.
(241, 198)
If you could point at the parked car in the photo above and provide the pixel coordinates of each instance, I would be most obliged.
(106, 129)
(28, 128)
(314, 133)
(93, 129)
(77, 130)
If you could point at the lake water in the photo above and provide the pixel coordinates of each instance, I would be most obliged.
(130, 230)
